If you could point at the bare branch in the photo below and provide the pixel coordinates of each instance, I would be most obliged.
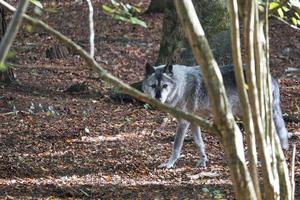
(293, 171)
(231, 135)
(243, 96)
(92, 30)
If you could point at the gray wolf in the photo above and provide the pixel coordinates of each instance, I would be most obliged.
(183, 87)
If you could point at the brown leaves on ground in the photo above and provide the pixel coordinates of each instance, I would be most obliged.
(59, 144)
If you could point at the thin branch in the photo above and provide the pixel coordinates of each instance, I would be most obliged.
(231, 134)
(282, 20)
(293, 171)
(92, 30)
(270, 187)
(12, 30)
(243, 96)
(115, 81)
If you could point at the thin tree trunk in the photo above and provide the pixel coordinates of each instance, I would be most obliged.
(214, 17)
(243, 96)
(230, 134)
(7, 75)
(9, 36)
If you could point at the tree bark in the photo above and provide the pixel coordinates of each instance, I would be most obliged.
(6, 76)
(156, 6)
(174, 46)
(231, 136)
(243, 96)
(214, 17)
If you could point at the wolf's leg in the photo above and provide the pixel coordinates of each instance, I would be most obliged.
(200, 145)
(178, 142)
(277, 116)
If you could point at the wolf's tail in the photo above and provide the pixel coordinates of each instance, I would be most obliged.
(277, 116)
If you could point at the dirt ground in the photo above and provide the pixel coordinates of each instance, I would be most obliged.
(56, 144)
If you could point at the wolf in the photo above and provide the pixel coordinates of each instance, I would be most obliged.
(183, 87)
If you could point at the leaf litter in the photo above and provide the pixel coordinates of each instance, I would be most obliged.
(100, 149)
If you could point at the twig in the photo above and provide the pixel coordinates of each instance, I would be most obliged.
(92, 30)
(12, 30)
(293, 171)
(14, 113)
(282, 20)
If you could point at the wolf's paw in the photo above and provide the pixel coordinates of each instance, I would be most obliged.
(166, 165)
(202, 162)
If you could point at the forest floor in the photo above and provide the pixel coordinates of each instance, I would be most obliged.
(84, 145)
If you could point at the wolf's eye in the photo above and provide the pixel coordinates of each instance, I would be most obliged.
(153, 86)
(165, 86)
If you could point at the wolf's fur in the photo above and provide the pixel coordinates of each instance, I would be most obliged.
(183, 87)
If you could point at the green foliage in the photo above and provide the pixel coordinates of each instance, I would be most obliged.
(29, 28)
(38, 9)
(3, 67)
(287, 10)
(215, 193)
(123, 12)
(147, 106)
(9, 55)
(37, 3)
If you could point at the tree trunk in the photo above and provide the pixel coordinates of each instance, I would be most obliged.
(214, 17)
(174, 46)
(6, 76)
(231, 135)
(156, 6)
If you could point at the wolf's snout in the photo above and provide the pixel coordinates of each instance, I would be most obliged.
(158, 95)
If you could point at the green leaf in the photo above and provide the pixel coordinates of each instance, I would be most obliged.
(38, 11)
(138, 10)
(218, 196)
(297, 15)
(51, 10)
(3, 67)
(125, 9)
(29, 28)
(273, 5)
(121, 18)
(147, 106)
(134, 20)
(206, 190)
(295, 21)
(115, 3)
(107, 9)
(280, 12)
(128, 6)
(37, 3)
(285, 9)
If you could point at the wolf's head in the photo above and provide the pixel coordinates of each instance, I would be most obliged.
(158, 82)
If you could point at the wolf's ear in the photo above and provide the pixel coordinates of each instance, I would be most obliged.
(168, 69)
(149, 69)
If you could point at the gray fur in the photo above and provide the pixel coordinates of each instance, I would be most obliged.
(183, 87)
